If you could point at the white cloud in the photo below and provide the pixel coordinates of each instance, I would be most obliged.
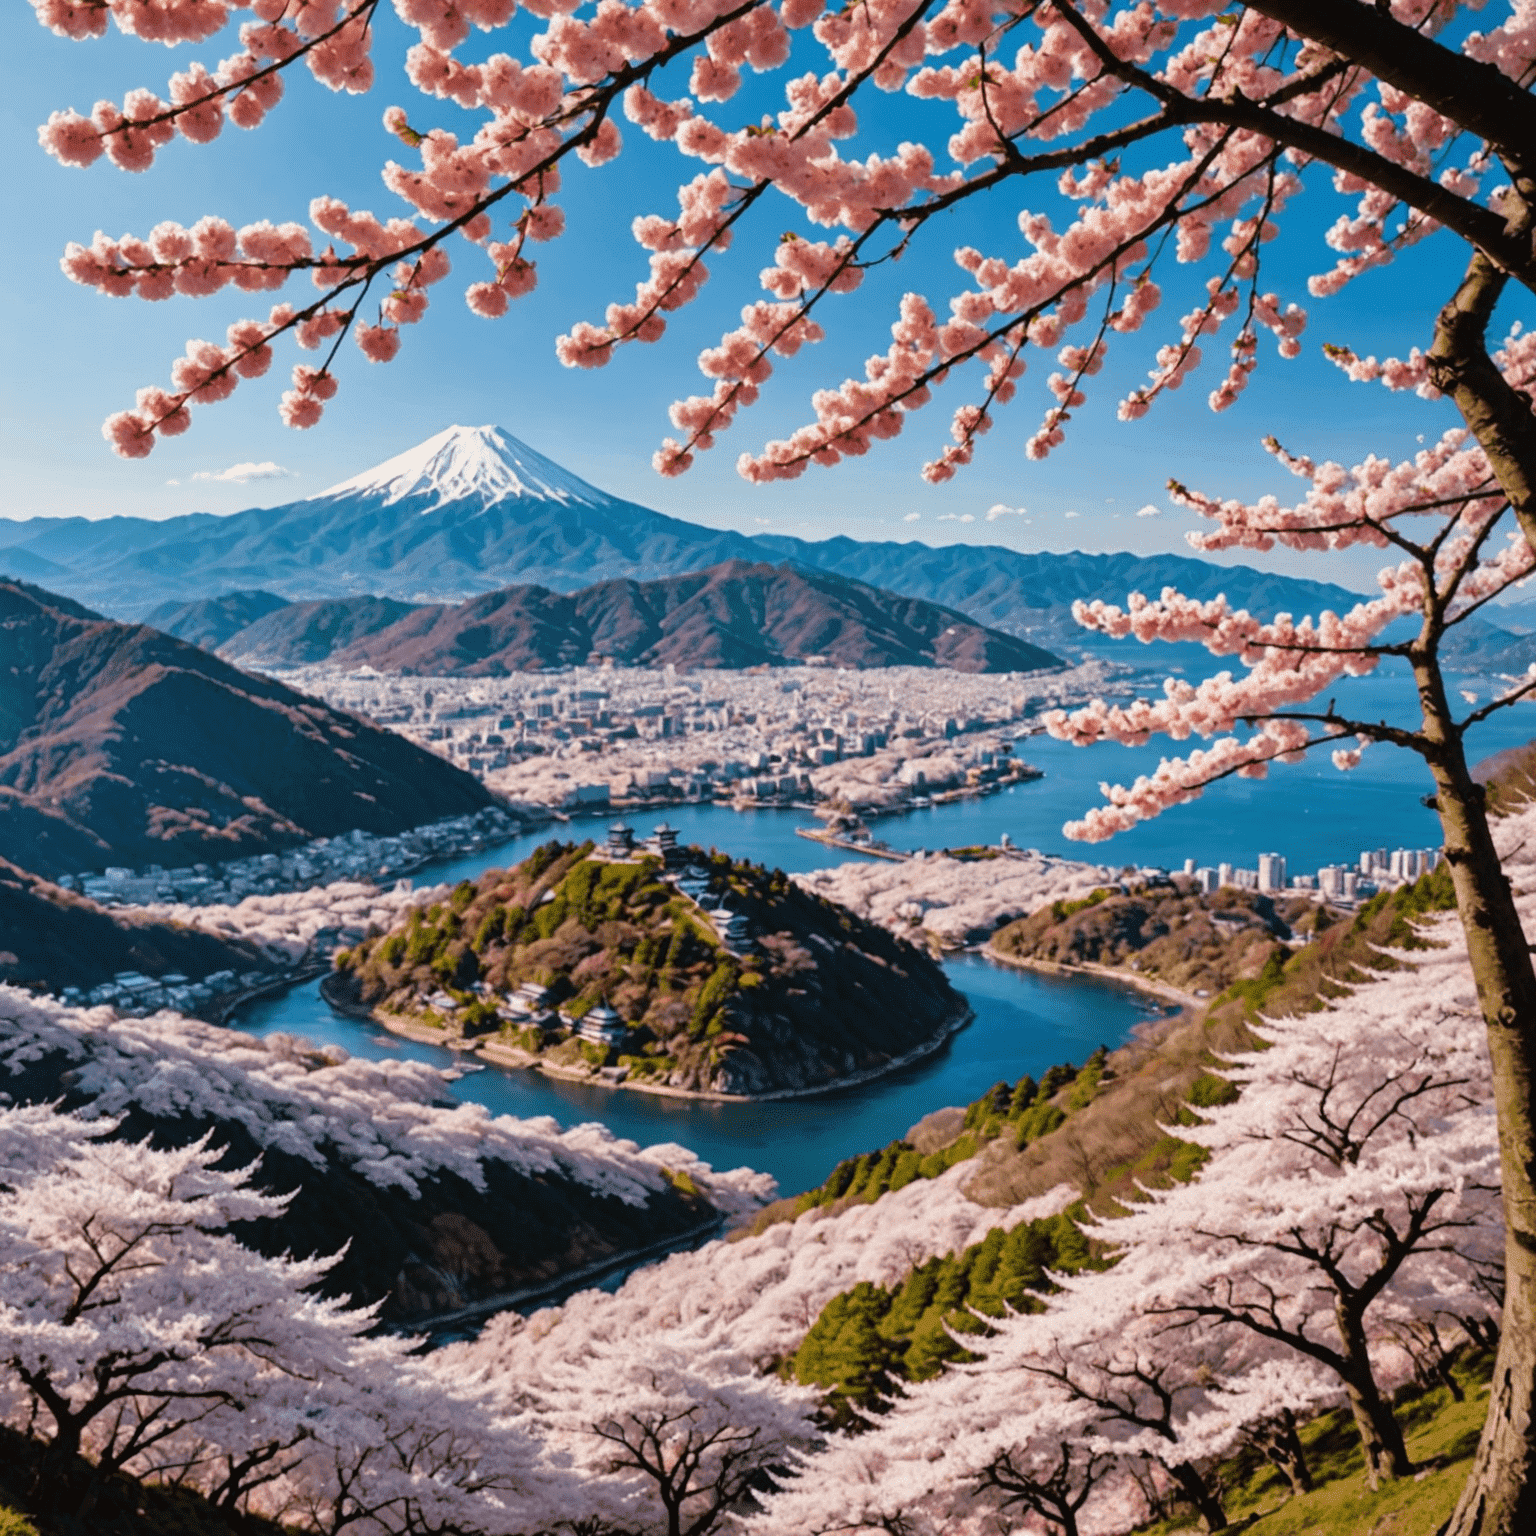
(952, 517)
(1071, 514)
(242, 474)
(993, 513)
(763, 522)
(1149, 511)
(173, 482)
(912, 517)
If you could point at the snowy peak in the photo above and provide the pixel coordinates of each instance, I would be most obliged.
(469, 463)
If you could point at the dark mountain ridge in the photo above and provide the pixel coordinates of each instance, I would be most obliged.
(210, 621)
(299, 634)
(731, 615)
(119, 744)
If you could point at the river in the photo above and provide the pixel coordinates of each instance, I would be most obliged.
(1024, 1022)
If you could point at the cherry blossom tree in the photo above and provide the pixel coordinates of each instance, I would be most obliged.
(664, 1440)
(1353, 1184)
(140, 1337)
(106, 1250)
(1348, 1189)
(1447, 573)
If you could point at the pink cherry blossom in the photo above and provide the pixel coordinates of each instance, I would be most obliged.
(1078, 95)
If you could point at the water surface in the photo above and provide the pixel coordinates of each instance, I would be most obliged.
(1024, 1023)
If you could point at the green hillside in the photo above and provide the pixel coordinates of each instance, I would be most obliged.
(804, 995)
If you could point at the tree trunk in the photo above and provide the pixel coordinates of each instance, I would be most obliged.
(1381, 1437)
(1496, 413)
(1283, 1449)
(1198, 1491)
(1500, 1496)
(1064, 1515)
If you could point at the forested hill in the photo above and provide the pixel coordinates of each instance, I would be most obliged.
(122, 745)
(795, 994)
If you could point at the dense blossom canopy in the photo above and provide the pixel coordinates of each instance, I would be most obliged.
(1353, 1181)
(1161, 129)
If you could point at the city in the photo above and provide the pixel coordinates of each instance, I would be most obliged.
(1376, 870)
(590, 738)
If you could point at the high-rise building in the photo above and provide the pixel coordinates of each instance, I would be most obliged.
(1223, 874)
(1207, 881)
(1271, 872)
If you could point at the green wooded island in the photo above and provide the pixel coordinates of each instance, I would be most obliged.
(658, 967)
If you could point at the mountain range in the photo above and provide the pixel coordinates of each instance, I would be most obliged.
(473, 509)
(730, 615)
(119, 744)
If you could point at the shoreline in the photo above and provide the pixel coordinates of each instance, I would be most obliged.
(510, 1300)
(221, 1011)
(1147, 984)
(514, 1058)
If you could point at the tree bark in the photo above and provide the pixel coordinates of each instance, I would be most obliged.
(1478, 97)
(1500, 1495)
(1381, 1437)
(1283, 1449)
(1497, 414)
(1198, 1492)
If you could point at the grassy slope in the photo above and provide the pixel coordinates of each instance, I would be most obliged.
(1442, 1437)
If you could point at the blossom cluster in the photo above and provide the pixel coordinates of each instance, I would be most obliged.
(1449, 575)
(385, 1120)
(1037, 93)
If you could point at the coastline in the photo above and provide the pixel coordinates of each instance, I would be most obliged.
(219, 1013)
(1153, 988)
(551, 1290)
(499, 1053)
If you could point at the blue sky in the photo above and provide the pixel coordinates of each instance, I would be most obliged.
(74, 356)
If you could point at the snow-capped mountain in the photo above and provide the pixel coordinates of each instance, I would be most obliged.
(463, 463)
(468, 510)
(473, 509)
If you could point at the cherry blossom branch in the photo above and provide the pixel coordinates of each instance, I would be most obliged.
(68, 135)
(1479, 226)
(787, 459)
